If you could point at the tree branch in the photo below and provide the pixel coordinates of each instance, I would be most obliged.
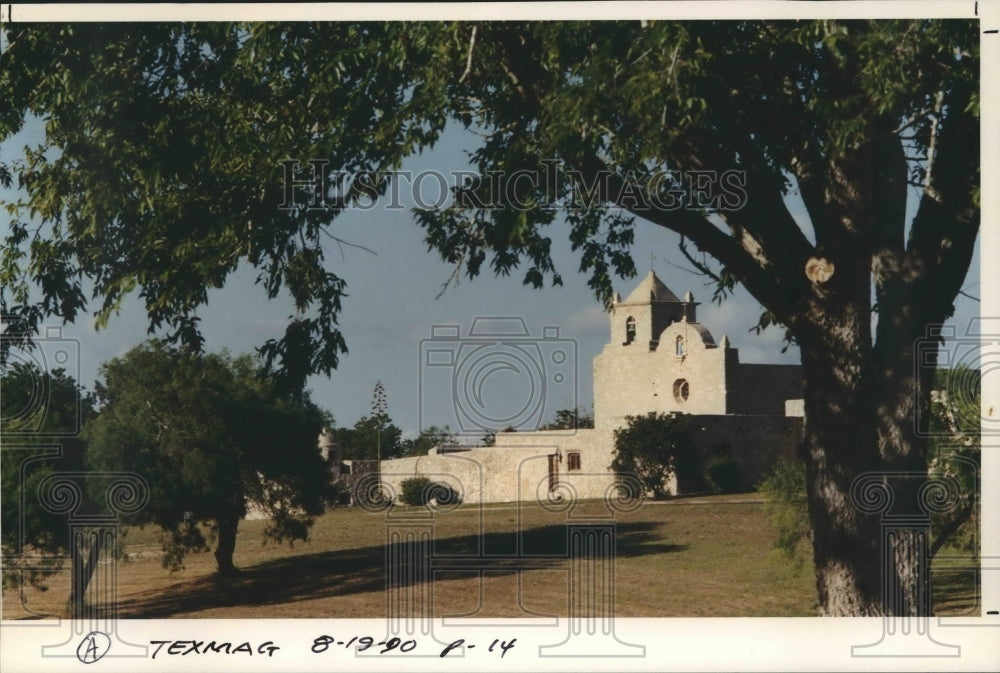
(703, 268)
(808, 166)
(767, 251)
(468, 60)
(950, 528)
(944, 231)
(730, 253)
(935, 122)
(763, 228)
(912, 119)
(889, 183)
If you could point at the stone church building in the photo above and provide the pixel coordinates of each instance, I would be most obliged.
(659, 358)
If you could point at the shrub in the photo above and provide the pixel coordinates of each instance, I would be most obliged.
(419, 491)
(444, 495)
(723, 474)
(415, 491)
(654, 448)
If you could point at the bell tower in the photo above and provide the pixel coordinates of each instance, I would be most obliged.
(638, 321)
(659, 359)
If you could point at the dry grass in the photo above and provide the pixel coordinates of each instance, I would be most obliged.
(685, 558)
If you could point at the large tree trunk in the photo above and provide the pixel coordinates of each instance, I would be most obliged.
(866, 466)
(903, 375)
(226, 543)
(839, 439)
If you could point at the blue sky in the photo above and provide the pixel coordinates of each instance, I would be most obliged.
(391, 309)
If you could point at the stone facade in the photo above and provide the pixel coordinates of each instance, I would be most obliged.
(658, 359)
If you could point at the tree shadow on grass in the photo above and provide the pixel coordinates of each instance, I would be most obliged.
(353, 571)
(956, 591)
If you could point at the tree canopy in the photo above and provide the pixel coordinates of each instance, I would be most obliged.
(363, 439)
(156, 139)
(159, 171)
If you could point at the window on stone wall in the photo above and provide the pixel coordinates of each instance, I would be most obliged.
(573, 460)
(629, 330)
(679, 347)
(681, 390)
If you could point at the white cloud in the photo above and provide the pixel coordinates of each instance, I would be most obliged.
(591, 318)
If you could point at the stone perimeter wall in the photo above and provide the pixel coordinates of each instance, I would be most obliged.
(755, 443)
(762, 389)
(517, 468)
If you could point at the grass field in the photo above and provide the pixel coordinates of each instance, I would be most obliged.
(685, 558)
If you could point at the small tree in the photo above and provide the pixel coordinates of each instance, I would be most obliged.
(723, 474)
(379, 419)
(427, 440)
(654, 448)
(41, 413)
(784, 490)
(212, 437)
(570, 419)
(955, 455)
(369, 437)
(415, 491)
(419, 491)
